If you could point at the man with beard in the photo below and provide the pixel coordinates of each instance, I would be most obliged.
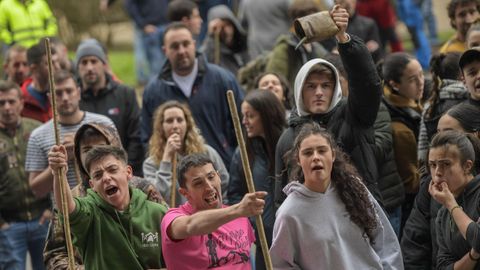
(103, 95)
(70, 118)
(188, 78)
(462, 14)
(16, 67)
(233, 39)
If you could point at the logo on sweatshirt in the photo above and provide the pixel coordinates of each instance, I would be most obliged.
(114, 111)
(150, 239)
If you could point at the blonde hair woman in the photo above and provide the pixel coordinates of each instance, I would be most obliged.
(175, 131)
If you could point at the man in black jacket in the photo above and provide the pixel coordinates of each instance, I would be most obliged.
(318, 97)
(103, 95)
(390, 184)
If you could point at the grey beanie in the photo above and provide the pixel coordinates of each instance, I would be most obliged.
(90, 47)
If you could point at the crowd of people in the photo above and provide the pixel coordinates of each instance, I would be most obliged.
(362, 155)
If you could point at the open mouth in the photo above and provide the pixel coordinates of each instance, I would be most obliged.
(317, 168)
(111, 190)
(212, 198)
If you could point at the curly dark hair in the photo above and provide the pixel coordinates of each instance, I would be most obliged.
(344, 178)
(452, 7)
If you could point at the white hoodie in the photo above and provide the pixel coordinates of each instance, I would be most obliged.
(300, 80)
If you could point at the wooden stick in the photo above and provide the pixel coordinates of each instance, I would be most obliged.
(216, 59)
(173, 188)
(248, 176)
(61, 171)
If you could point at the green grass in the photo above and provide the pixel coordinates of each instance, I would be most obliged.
(122, 64)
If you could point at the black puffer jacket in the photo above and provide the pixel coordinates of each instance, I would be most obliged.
(390, 183)
(349, 120)
(119, 103)
(452, 245)
(419, 244)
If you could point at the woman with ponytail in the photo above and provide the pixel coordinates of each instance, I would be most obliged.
(404, 84)
(264, 122)
(447, 91)
(419, 243)
(453, 164)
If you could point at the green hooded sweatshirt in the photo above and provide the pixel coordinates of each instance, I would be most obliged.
(110, 239)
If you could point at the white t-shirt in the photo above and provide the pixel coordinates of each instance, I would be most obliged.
(186, 82)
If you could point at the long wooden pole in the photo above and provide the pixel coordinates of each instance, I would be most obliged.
(173, 188)
(61, 171)
(216, 59)
(248, 176)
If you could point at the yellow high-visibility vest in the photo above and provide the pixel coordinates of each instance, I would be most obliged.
(26, 23)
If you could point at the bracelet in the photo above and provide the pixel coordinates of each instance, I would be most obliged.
(472, 258)
(455, 207)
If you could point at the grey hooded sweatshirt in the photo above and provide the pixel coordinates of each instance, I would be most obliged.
(313, 231)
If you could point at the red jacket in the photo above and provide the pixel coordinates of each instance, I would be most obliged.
(32, 108)
(381, 11)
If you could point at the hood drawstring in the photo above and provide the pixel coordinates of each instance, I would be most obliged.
(129, 237)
